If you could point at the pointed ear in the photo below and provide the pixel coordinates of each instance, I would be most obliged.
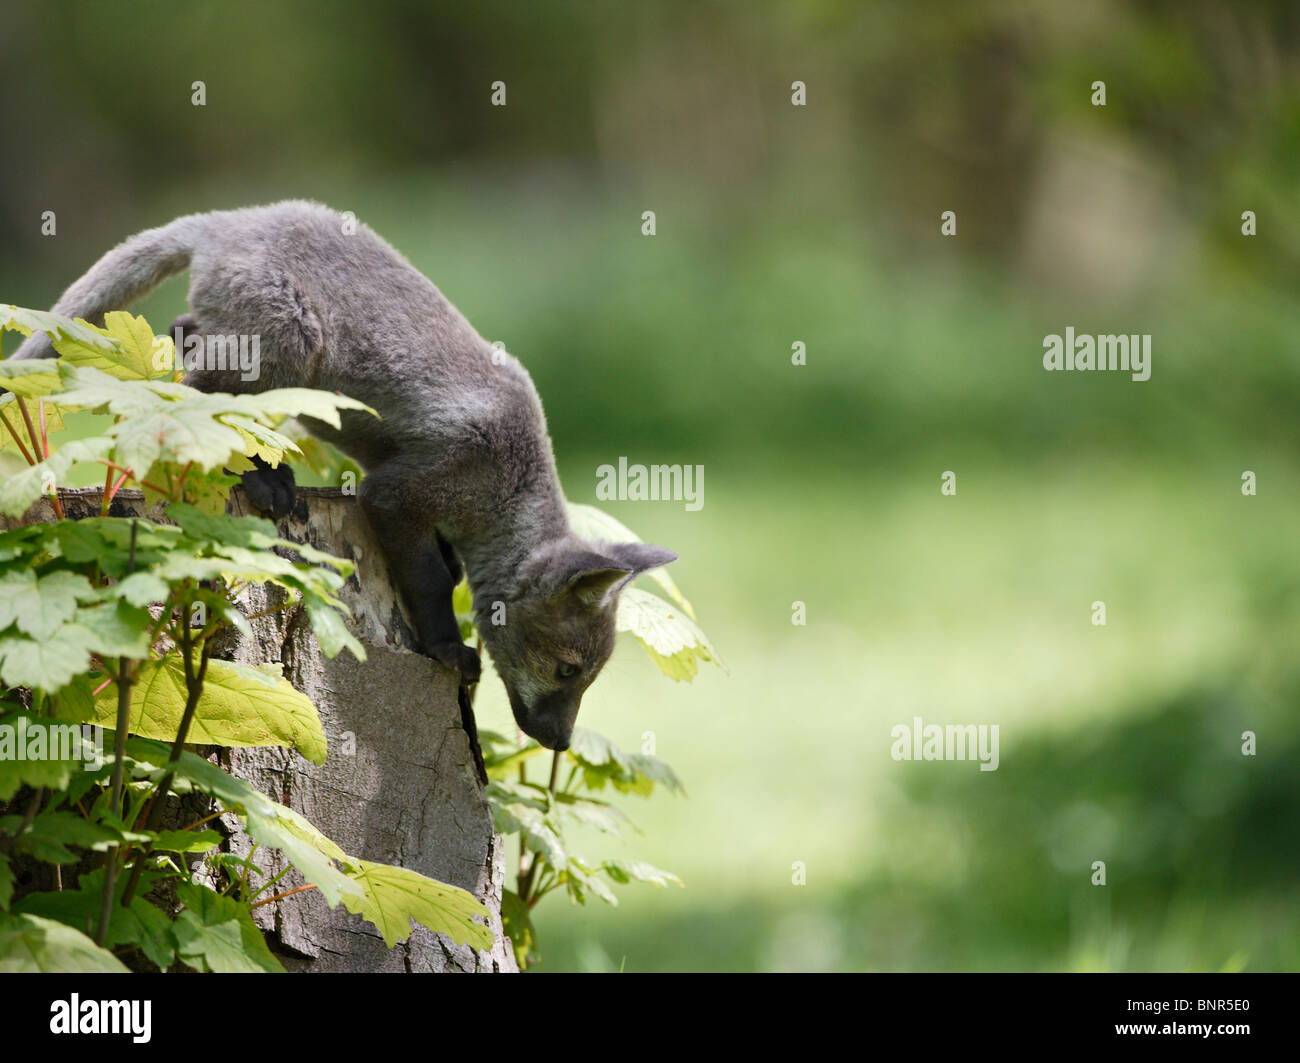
(641, 557)
(590, 575)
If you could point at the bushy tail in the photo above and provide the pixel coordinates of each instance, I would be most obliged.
(131, 270)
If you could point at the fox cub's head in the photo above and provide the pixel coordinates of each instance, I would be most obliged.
(550, 642)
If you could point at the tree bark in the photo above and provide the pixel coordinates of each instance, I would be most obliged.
(399, 786)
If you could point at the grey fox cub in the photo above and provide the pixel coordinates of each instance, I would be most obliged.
(460, 475)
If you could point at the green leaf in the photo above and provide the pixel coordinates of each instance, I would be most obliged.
(56, 326)
(110, 629)
(517, 922)
(30, 378)
(506, 766)
(515, 817)
(240, 706)
(50, 664)
(629, 870)
(140, 924)
(216, 933)
(328, 626)
(657, 771)
(33, 944)
(41, 606)
(306, 848)
(6, 881)
(186, 841)
(24, 542)
(19, 491)
(581, 880)
(141, 588)
(139, 354)
(393, 896)
(12, 413)
(52, 832)
(589, 812)
(603, 762)
(674, 641)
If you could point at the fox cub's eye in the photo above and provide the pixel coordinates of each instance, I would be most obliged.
(565, 670)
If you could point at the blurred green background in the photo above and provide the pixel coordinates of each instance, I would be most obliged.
(821, 224)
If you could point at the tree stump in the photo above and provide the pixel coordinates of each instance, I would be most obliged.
(399, 786)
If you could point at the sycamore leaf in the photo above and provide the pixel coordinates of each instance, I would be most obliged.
(6, 881)
(25, 541)
(172, 433)
(307, 849)
(29, 378)
(393, 896)
(624, 871)
(141, 924)
(579, 880)
(56, 326)
(140, 355)
(589, 812)
(216, 933)
(268, 823)
(41, 606)
(34, 944)
(674, 641)
(11, 413)
(19, 491)
(186, 841)
(240, 706)
(51, 832)
(328, 626)
(517, 922)
(141, 588)
(515, 817)
(603, 762)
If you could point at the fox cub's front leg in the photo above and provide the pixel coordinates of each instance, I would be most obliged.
(422, 572)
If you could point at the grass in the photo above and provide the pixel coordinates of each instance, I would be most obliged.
(1119, 743)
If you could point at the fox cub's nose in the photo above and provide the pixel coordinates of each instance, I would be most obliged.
(557, 742)
(553, 729)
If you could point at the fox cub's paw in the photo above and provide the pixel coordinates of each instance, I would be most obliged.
(271, 490)
(459, 658)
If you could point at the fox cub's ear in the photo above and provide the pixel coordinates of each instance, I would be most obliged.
(642, 557)
(594, 577)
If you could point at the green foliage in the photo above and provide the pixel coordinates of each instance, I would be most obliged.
(32, 944)
(110, 621)
(242, 706)
(541, 814)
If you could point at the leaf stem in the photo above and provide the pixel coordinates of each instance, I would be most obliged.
(125, 674)
(17, 439)
(282, 896)
(194, 691)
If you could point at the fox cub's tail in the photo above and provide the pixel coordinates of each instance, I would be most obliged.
(131, 270)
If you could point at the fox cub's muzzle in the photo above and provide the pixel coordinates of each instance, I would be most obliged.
(550, 719)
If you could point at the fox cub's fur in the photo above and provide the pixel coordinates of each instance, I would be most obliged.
(460, 475)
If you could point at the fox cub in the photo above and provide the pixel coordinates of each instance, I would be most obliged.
(460, 475)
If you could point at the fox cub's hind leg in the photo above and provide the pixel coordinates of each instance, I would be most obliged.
(270, 490)
(424, 567)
